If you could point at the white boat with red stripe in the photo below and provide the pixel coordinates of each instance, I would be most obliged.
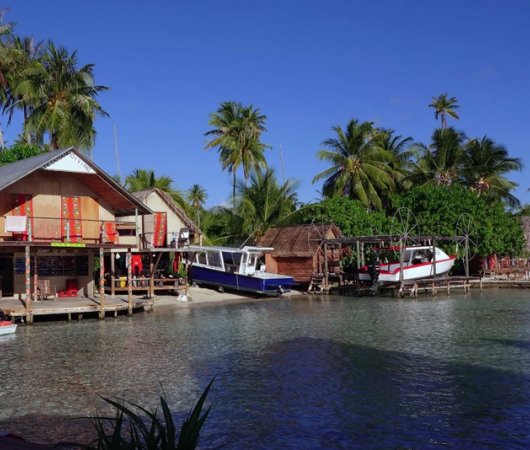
(417, 262)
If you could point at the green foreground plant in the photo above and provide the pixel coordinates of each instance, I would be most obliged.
(136, 428)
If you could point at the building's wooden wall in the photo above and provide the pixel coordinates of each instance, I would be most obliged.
(300, 268)
(47, 188)
(85, 283)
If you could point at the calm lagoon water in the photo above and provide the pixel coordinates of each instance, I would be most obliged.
(296, 373)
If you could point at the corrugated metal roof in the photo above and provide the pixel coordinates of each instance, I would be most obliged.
(11, 173)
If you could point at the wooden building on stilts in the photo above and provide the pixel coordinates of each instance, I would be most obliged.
(58, 220)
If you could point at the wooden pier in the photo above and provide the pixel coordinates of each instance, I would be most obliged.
(432, 285)
(73, 307)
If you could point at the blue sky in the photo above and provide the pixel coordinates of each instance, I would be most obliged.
(308, 65)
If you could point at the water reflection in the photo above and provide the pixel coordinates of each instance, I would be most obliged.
(316, 372)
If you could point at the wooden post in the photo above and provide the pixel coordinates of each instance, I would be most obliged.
(466, 256)
(113, 274)
(35, 280)
(101, 283)
(326, 268)
(401, 260)
(152, 269)
(363, 262)
(151, 275)
(187, 285)
(27, 273)
(129, 282)
(434, 257)
(358, 248)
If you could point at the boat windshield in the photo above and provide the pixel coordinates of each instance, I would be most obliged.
(232, 258)
(214, 259)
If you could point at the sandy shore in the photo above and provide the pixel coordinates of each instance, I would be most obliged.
(198, 295)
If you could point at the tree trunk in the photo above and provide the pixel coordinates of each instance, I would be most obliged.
(54, 144)
(2, 144)
(234, 192)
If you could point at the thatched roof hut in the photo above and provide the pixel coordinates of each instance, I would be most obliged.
(297, 251)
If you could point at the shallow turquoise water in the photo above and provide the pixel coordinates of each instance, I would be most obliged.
(308, 372)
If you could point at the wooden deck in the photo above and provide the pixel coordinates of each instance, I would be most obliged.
(74, 307)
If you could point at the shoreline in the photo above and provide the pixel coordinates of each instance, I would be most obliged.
(209, 296)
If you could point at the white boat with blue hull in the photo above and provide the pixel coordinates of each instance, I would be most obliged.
(238, 269)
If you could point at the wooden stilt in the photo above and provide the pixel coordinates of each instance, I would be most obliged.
(35, 279)
(113, 274)
(101, 284)
(129, 282)
(27, 273)
(152, 269)
(326, 268)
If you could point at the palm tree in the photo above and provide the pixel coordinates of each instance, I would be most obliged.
(237, 137)
(141, 179)
(441, 163)
(5, 62)
(24, 56)
(486, 163)
(265, 203)
(63, 100)
(197, 196)
(360, 168)
(443, 107)
(400, 148)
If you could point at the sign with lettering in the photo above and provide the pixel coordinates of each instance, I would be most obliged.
(68, 244)
(70, 163)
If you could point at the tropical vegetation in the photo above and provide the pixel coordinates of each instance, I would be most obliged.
(237, 137)
(369, 171)
(55, 95)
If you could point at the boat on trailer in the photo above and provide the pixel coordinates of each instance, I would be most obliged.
(417, 262)
(239, 269)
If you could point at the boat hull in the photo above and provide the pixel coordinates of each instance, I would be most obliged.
(390, 273)
(8, 328)
(260, 283)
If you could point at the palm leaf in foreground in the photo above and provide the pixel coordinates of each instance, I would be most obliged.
(135, 427)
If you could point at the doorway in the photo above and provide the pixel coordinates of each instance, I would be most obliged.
(6, 274)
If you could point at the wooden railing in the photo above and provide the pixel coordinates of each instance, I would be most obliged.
(49, 229)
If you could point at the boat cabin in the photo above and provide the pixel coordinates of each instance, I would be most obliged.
(242, 261)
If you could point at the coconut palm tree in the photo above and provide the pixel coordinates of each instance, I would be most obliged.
(63, 100)
(360, 169)
(443, 107)
(400, 148)
(442, 162)
(264, 203)
(197, 196)
(141, 179)
(24, 60)
(5, 62)
(486, 164)
(237, 137)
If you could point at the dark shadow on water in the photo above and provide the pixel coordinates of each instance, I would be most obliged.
(509, 342)
(312, 393)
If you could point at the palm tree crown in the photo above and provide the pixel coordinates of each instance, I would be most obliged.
(237, 137)
(485, 166)
(265, 203)
(359, 168)
(443, 107)
(62, 100)
(142, 179)
(442, 161)
(197, 196)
